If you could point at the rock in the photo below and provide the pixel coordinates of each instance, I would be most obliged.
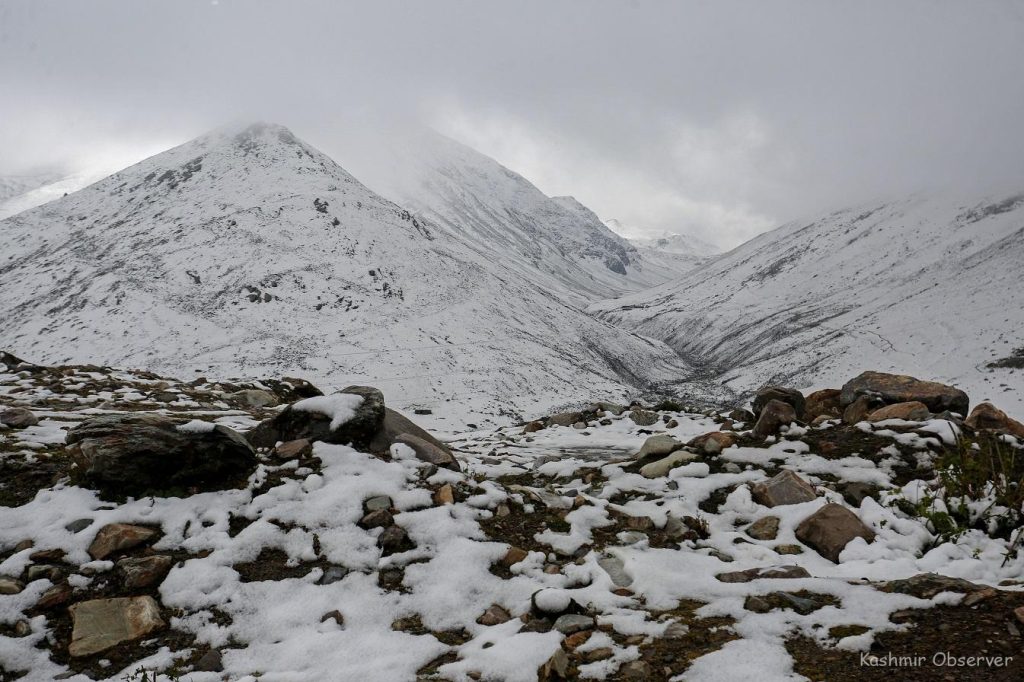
(394, 539)
(533, 427)
(893, 388)
(823, 403)
(58, 595)
(663, 466)
(635, 671)
(494, 615)
(572, 622)
(513, 556)
(444, 495)
(829, 529)
(656, 447)
(614, 408)
(912, 411)
(555, 668)
(774, 415)
(855, 492)
(313, 419)
(210, 662)
(253, 397)
(553, 601)
(45, 572)
(565, 418)
(332, 574)
(776, 572)
(790, 396)
(335, 616)
(55, 554)
(641, 523)
(429, 452)
(9, 585)
(783, 488)
(17, 417)
(117, 537)
(396, 424)
(377, 503)
(423, 411)
(643, 417)
(821, 419)
(137, 454)
(100, 624)
(714, 442)
(927, 585)
(858, 410)
(788, 549)
(294, 449)
(764, 529)
(78, 525)
(987, 417)
(379, 518)
(145, 571)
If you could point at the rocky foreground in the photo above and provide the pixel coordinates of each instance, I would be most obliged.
(156, 529)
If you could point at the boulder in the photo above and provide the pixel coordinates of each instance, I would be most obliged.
(741, 415)
(137, 454)
(565, 418)
(643, 417)
(776, 572)
(117, 537)
(987, 417)
(830, 529)
(912, 411)
(783, 488)
(825, 402)
(533, 427)
(294, 449)
(353, 416)
(100, 624)
(714, 442)
(774, 415)
(859, 409)
(253, 397)
(494, 615)
(790, 396)
(661, 467)
(894, 388)
(427, 451)
(766, 528)
(17, 417)
(396, 425)
(145, 571)
(656, 447)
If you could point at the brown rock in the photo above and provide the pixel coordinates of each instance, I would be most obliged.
(210, 662)
(776, 572)
(774, 415)
(859, 409)
(55, 596)
(117, 537)
(100, 624)
(823, 403)
(294, 449)
(44, 555)
(576, 639)
(17, 417)
(643, 417)
(783, 488)
(10, 585)
(429, 452)
(829, 529)
(379, 518)
(444, 495)
(145, 571)
(556, 667)
(714, 442)
(894, 388)
(533, 427)
(764, 529)
(334, 615)
(494, 615)
(513, 556)
(790, 396)
(394, 539)
(986, 416)
(565, 418)
(912, 411)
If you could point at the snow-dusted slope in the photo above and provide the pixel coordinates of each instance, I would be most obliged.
(495, 209)
(15, 188)
(678, 252)
(929, 285)
(253, 253)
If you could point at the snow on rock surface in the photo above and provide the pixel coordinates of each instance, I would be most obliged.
(927, 286)
(248, 252)
(281, 578)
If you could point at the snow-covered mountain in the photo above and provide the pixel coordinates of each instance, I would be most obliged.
(250, 252)
(492, 208)
(678, 252)
(15, 188)
(930, 285)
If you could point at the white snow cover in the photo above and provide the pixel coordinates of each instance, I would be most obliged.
(340, 407)
(928, 286)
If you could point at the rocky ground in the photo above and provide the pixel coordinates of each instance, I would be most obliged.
(156, 529)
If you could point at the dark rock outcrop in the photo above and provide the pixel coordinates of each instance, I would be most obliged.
(790, 396)
(298, 421)
(774, 415)
(143, 453)
(830, 529)
(987, 417)
(898, 388)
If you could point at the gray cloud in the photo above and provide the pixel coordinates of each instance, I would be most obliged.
(722, 119)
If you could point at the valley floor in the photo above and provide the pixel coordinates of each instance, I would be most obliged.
(551, 555)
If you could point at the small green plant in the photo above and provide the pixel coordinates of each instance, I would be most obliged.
(669, 405)
(983, 485)
(143, 675)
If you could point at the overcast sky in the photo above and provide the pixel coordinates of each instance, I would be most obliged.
(718, 118)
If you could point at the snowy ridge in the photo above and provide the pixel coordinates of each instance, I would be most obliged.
(249, 252)
(497, 210)
(928, 286)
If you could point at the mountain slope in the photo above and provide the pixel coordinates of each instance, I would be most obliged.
(493, 208)
(679, 252)
(928, 285)
(251, 252)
